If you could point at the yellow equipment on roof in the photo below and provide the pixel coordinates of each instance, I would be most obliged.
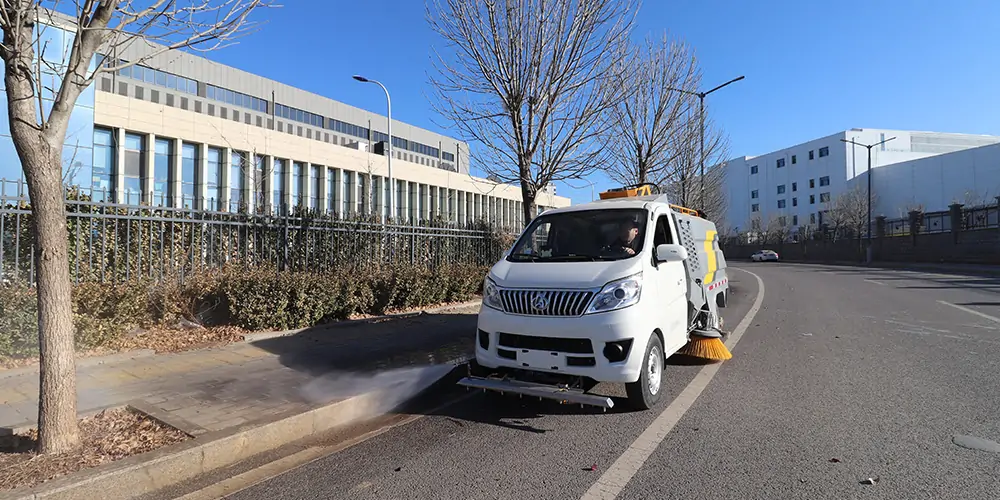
(644, 189)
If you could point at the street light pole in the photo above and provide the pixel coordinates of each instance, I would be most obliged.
(701, 120)
(388, 103)
(868, 249)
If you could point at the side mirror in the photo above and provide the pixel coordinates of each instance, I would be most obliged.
(671, 253)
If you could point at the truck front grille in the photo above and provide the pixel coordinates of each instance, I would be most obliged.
(545, 302)
(551, 344)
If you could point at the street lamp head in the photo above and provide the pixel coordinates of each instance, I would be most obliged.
(360, 78)
(738, 78)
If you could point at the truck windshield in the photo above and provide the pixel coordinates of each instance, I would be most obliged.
(587, 235)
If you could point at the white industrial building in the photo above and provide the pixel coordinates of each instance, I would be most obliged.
(797, 185)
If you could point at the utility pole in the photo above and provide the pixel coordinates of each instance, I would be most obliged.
(388, 102)
(701, 121)
(868, 249)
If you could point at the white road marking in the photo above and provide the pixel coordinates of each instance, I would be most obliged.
(971, 311)
(876, 282)
(613, 481)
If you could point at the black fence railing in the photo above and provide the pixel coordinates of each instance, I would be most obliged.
(116, 242)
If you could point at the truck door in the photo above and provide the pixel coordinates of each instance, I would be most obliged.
(672, 285)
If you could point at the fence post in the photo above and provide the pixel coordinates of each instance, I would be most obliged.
(955, 213)
(879, 237)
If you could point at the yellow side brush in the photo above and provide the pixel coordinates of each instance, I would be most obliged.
(707, 348)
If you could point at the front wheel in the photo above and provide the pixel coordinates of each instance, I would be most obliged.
(644, 393)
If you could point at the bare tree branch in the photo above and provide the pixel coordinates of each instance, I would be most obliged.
(528, 83)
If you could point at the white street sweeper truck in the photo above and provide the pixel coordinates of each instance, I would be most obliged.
(601, 292)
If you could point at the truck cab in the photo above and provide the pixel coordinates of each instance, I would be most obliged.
(599, 292)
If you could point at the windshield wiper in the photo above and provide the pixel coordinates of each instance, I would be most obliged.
(570, 258)
(523, 256)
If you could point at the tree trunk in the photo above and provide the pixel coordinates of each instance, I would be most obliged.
(57, 418)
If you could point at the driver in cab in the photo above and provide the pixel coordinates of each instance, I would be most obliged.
(627, 241)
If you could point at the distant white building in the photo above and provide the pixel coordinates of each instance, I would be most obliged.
(796, 185)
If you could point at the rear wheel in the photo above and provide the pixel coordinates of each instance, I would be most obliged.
(644, 393)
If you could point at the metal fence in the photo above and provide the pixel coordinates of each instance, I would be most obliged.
(972, 218)
(116, 242)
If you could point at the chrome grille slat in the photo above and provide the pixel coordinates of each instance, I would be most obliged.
(558, 302)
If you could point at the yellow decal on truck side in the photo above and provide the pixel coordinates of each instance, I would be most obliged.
(712, 263)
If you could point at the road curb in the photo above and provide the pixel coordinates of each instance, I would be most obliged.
(84, 362)
(256, 337)
(143, 474)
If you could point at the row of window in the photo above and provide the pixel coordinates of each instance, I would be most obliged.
(780, 162)
(231, 97)
(155, 77)
(823, 198)
(236, 98)
(298, 115)
(353, 192)
(823, 181)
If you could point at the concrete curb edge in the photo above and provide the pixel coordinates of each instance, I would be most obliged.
(148, 472)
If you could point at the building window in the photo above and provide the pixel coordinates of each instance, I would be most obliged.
(812, 183)
(782, 220)
(824, 197)
(753, 194)
(213, 179)
(781, 203)
(781, 162)
(157, 77)
(298, 115)
(351, 129)
(795, 186)
(347, 176)
(446, 156)
(755, 207)
(795, 220)
(812, 199)
(362, 193)
(824, 151)
(298, 177)
(811, 154)
(314, 187)
(236, 99)
(133, 168)
(812, 218)
(278, 189)
(104, 164)
(260, 193)
(189, 162)
(161, 172)
(795, 202)
(824, 181)
(781, 189)
(237, 162)
(793, 160)
(753, 170)
(331, 193)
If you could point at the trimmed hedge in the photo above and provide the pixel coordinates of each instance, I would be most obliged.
(253, 299)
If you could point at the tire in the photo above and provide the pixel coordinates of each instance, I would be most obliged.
(644, 393)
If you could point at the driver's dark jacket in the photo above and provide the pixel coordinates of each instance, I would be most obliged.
(619, 245)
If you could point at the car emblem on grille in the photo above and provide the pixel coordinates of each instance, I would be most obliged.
(540, 301)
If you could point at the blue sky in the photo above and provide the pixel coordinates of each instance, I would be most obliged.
(812, 67)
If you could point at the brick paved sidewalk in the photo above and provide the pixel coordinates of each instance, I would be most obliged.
(218, 388)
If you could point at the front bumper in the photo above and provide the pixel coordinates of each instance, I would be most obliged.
(563, 348)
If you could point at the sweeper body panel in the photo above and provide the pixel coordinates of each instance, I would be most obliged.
(600, 292)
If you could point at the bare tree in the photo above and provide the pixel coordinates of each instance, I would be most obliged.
(849, 211)
(529, 83)
(651, 126)
(777, 229)
(43, 83)
(683, 180)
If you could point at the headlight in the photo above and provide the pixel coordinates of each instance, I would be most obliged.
(617, 295)
(491, 295)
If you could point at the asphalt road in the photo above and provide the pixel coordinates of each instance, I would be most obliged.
(844, 374)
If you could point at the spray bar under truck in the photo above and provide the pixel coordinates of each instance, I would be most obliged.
(601, 292)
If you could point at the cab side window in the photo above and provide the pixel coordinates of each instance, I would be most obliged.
(662, 235)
